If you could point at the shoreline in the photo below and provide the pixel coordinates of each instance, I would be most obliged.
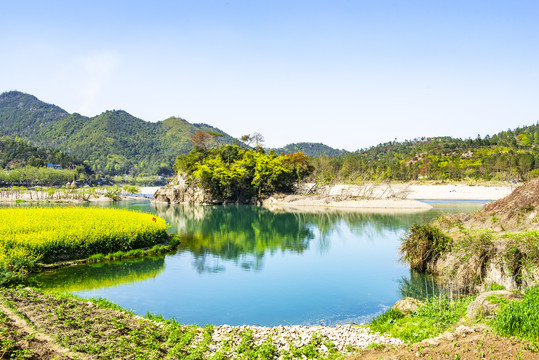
(302, 203)
(384, 197)
(379, 197)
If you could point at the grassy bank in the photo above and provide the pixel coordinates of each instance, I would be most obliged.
(32, 235)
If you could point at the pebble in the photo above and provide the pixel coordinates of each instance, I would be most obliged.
(343, 337)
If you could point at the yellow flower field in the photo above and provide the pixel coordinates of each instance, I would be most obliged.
(54, 234)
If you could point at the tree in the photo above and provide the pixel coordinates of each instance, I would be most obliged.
(201, 140)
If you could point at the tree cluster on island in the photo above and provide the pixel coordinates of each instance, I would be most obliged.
(238, 173)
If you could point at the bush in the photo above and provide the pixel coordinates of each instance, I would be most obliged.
(423, 244)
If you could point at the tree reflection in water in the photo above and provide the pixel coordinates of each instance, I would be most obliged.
(245, 234)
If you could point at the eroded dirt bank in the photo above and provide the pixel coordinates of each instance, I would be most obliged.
(496, 245)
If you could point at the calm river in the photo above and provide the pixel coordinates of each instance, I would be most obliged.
(248, 265)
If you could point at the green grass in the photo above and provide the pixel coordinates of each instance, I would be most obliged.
(432, 318)
(520, 318)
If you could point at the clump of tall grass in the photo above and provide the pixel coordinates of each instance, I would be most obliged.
(423, 244)
(520, 318)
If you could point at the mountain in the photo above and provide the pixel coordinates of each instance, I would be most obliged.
(113, 142)
(310, 149)
(21, 114)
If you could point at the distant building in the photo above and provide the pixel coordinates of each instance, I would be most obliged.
(54, 166)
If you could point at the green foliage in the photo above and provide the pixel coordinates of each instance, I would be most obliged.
(423, 244)
(229, 172)
(520, 318)
(494, 287)
(310, 149)
(433, 317)
(16, 153)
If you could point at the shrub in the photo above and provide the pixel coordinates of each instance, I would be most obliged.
(423, 244)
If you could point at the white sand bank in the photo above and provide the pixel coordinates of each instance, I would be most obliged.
(149, 190)
(385, 196)
(422, 192)
(458, 192)
(298, 201)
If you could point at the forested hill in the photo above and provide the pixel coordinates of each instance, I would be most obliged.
(15, 153)
(310, 149)
(113, 142)
(508, 155)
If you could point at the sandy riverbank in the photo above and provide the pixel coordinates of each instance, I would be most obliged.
(385, 196)
(292, 202)
(419, 192)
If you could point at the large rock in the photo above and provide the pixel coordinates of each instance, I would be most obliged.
(407, 305)
(180, 191)
(482, 307)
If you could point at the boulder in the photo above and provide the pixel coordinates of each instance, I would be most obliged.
(407, 305)
(482, 307)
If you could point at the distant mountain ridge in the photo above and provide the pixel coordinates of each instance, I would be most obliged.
(114, 142)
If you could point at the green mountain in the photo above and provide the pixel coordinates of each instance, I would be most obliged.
(310, 149)
(113, 142)
(23, 114)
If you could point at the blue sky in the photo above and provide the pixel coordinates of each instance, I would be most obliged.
(350, 74)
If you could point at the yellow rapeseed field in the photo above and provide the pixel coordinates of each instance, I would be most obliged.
(54, 234)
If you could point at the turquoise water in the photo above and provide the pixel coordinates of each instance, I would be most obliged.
(248, 265)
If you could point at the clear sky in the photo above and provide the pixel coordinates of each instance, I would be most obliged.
(347, 73)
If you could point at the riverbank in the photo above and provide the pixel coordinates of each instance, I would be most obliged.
(298, 202)
(383, 196)
(496, 245)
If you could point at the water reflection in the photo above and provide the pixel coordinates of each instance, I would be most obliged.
(101, 275)
(419, 286)
(245, 234)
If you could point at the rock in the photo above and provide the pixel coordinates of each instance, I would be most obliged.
(483, 307)
(432, 342)
(407, 305)
(179, 191)
(463, 330)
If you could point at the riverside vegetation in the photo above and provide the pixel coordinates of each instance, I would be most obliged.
(99, 329)
(69, 193)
